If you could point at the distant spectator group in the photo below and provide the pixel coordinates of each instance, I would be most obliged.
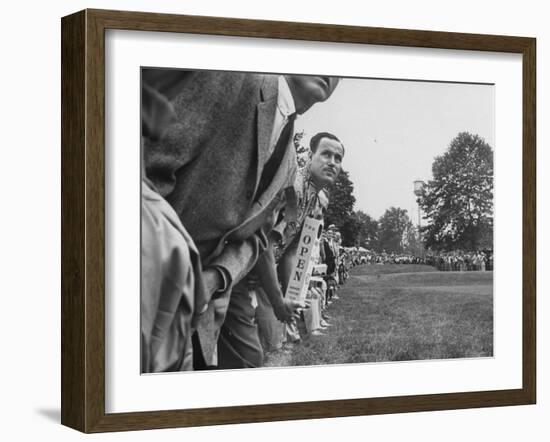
(457, 260)
(460, 261)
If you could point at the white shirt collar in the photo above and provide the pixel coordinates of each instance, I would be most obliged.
(285, 102)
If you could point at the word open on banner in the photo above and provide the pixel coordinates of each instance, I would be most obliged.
(303, 265)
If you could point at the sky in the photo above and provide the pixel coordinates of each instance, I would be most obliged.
(393, 129)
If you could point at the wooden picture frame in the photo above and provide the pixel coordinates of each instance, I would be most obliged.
(83, 220)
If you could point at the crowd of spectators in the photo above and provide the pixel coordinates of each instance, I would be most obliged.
(223, 208)
(461, 261)
(457, 260)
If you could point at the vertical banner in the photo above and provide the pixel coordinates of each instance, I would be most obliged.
(303, 265)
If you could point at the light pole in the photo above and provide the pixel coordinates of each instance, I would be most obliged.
(418, 188)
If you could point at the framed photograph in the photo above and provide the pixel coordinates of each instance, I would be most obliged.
(267, 221)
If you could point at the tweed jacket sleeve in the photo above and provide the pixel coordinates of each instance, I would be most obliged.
(237, 258)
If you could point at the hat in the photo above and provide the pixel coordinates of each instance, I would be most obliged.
(331, 227)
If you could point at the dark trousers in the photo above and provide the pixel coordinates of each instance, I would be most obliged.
(238, 343)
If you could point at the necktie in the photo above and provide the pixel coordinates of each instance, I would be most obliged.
(274, 161)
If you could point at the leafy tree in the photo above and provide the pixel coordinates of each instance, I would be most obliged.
(349, 229)
(458, 202)
(302, 151)
(340, 208)
(411, 240)
(392, 228)
(367, 230)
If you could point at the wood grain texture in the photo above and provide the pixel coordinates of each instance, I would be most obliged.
(529, 220)
(83, 220)
(307, 31)
(73, 256)
(95, 221)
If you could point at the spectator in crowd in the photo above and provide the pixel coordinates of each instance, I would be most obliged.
(342, 266)
(322, 169)
(171, 283)
(329, 258)
(224, 166)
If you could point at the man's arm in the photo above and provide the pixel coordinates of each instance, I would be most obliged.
(238, 258)
(284, 309)
(286, 264)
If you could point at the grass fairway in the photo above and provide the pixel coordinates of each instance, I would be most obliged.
(402, 313)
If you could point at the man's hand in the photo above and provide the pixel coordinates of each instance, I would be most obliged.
(212, 281)
(287, 311)
(316, 292)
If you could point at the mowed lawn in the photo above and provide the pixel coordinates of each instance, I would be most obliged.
(401, 313)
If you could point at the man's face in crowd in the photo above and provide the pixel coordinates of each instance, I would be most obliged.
(326, 162)
(308, 90)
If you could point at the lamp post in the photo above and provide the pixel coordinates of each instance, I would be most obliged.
(417, 189)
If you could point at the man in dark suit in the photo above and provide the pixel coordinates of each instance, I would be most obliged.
(223, 167)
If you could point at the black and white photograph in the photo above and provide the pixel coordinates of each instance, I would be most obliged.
(292, 220)
(250, 221)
